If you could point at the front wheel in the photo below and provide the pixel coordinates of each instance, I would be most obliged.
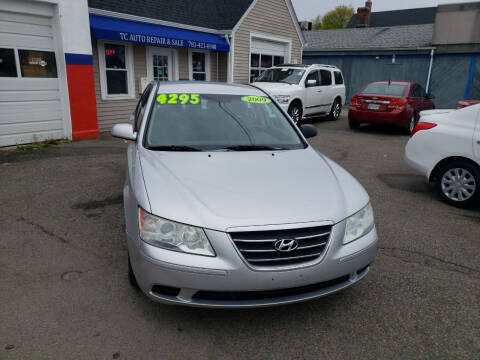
(131, 276)
(295, 111)
(336, 110)
(458, 183)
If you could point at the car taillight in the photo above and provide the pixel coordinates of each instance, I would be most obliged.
(422, 126)
(355, 101)
(397, 104)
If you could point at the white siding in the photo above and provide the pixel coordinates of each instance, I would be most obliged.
(31, 109)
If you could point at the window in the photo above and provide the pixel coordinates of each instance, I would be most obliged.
(8, 67)
(37, 64)
(417, 91)
(326, 77)
(141, 106)
(338, 77)
(286, 75)
(384, 89)
(116, 72)
(218, 121)
(260, 62)
(313, 76)
(199, 65)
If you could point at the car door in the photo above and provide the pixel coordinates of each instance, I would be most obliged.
(476, 138)
(427, 103)
(414, 98)
(313, 93)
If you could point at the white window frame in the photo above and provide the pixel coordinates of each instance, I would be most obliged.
(128, 66)
(286, 41)
(207, 63)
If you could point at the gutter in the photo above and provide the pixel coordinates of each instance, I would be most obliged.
(117, 15)
(306, 50)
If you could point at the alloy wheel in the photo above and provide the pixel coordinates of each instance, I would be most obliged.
(458, 184)
(412, 124)
(336, 110)
(295, 113)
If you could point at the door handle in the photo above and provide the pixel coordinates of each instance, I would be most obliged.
(319, 90)
(478, 142)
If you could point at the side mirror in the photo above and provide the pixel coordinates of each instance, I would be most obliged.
(124, 131)
(308, 130)
(430, 96)
(311, 83)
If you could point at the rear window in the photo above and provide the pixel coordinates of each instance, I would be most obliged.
(385, 89)
(338, 77)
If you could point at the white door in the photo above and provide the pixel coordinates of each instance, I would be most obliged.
(161, 64)
(31, 106)
(313, 93)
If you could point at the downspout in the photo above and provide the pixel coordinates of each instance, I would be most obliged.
(217, 66)
(427, 88)
(230, 41)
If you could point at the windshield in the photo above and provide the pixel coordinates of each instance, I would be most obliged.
(286, 75)
(197, 122)
(384, 89)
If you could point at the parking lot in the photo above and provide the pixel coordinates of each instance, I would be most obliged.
(65, 291)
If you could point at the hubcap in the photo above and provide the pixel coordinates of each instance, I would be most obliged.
(412, 123)
(295, 114)
(336, 110)
(458, 184)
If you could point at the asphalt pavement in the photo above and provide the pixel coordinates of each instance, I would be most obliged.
(64, 291)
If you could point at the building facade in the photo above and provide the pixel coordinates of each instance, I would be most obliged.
(438, 48)
(97, 56)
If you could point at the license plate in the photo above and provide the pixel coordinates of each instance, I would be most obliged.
(373, 106)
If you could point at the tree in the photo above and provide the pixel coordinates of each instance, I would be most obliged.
(334, 19)
(317, 23)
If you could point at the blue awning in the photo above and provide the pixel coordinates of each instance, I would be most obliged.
(131, 31)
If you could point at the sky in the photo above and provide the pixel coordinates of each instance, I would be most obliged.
(308, 9)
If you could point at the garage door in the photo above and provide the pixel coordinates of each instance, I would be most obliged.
(265, 54)
(30, 101)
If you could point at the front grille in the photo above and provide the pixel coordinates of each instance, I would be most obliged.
(258, 247)
(266, 294)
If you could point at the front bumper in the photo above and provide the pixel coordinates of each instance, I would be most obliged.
(228, 281)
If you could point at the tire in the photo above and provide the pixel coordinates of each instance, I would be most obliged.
(353, 125)
(296, 112)
(131, 276)
(336, 110)
(458, 183)
(411, 124)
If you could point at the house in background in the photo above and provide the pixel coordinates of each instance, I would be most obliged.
(436, 47)
(72, 68)
(135, 42)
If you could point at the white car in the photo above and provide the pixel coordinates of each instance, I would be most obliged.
(305, 90)
(445, 147)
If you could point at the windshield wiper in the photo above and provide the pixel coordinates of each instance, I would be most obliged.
(173, 148)
(252, 148)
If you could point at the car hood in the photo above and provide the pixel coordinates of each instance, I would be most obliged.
(276, 88)
(222, 190)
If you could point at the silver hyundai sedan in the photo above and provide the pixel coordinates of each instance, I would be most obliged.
(227, 205)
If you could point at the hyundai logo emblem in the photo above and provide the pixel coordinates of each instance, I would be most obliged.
(285, 245)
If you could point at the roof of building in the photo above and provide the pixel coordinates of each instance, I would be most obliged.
(361, 39)
(212, 14)
(398, 17)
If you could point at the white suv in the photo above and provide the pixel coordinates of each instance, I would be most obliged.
(305, 90)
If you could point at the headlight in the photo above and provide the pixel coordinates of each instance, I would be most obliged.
(171, 235)
(282, 99)
(359, 224)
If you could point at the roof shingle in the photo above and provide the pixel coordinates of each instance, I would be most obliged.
(212, 14)
(395, 37)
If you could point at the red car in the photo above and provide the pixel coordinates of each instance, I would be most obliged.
(389, 102)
